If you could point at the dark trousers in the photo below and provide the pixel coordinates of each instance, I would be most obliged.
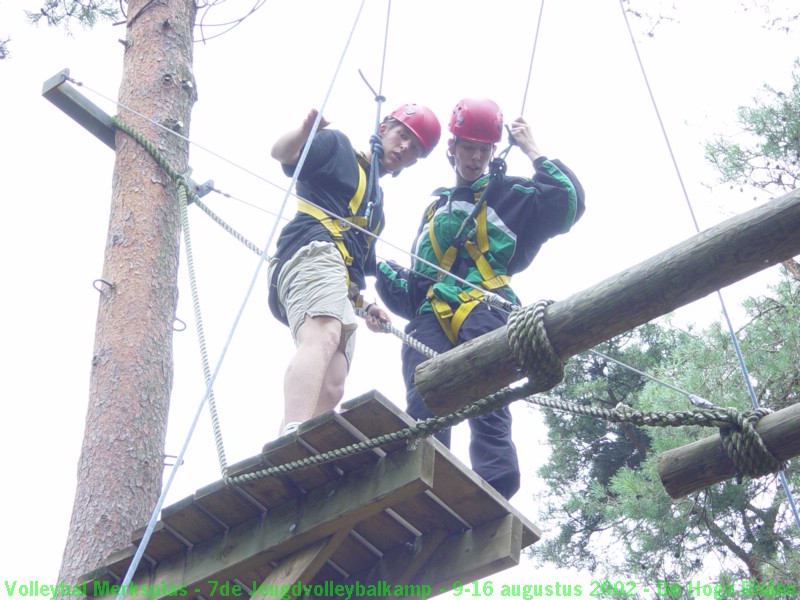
(491, 449)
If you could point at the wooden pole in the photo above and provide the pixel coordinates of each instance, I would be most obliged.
(122, 457)
(705, 462)
(690, 270)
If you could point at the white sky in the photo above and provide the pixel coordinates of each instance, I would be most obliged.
(587, 104)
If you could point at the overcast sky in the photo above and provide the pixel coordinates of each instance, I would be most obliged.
(587, 104)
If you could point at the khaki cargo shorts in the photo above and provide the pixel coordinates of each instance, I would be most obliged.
(314, 282)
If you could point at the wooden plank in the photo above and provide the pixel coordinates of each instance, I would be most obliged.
(374, 415)
(269, 491)
(352, 555)
(289, 449)
(339, 433)
(190, 521)
(472, 498)
(401, 563)
(227, 503)
(325, 433)
(163, 542)
(299, 567)
(703, 463)
(298, 523)
(460, 488)
(439, 558)
(472, 555)
(426, 514)
(384, 532)
(709, 261)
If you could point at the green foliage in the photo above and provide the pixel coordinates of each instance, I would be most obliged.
(62, 13)
(769, 158)
(4, 51)
(604, 503)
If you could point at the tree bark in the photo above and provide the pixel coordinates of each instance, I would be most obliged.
(122, 457)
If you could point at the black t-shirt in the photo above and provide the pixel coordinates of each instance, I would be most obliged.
(329, 179)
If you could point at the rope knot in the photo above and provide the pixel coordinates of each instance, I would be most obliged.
(744, 445)
(532, 350)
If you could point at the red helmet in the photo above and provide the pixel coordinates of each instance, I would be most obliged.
(422, 123)
(478, 120)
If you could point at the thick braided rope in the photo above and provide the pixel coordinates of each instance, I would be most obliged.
(747, 450)
(420, 430)
(181, 180)
(198, 319)
(219, 221)
(154, 152)
(744, 445)
(528, 341)
(184, 194)
(406, 339)
(544, 369)
(531, 347)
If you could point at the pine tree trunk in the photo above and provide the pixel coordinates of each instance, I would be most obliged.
(121, 463)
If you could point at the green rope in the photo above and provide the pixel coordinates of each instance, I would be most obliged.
(406, 339)
(184, 193)
(154, 152)
(217, 219)
(533, 352)
(198, 319)
(531, 347)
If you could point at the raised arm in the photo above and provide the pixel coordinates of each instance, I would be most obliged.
(521, 132)
(288, 147)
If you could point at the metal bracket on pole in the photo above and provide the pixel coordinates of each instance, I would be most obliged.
(60, 92)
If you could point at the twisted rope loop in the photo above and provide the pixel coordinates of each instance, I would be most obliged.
(534, 353)
(540, 363)
(741, 441)
(531, 347)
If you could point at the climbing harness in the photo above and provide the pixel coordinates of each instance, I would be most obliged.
(474, 225)
(528, 341)
(360, 213)
(739, 426)
(183, 189)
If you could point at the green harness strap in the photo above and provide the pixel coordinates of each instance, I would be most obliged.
(450, 320)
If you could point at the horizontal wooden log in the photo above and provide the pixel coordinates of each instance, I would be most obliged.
(703, 463)
(709, 261)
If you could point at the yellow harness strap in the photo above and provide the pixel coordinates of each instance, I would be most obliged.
(450, 321)
(336, 226)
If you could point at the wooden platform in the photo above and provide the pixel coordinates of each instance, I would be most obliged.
(413, 519)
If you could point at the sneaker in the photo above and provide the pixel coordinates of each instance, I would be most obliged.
(290, 428)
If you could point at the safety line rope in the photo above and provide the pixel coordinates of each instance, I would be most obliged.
(183, 190)
(525, 356)
(532, 350)
(533, 53)
(731, 331)
(494, 300)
